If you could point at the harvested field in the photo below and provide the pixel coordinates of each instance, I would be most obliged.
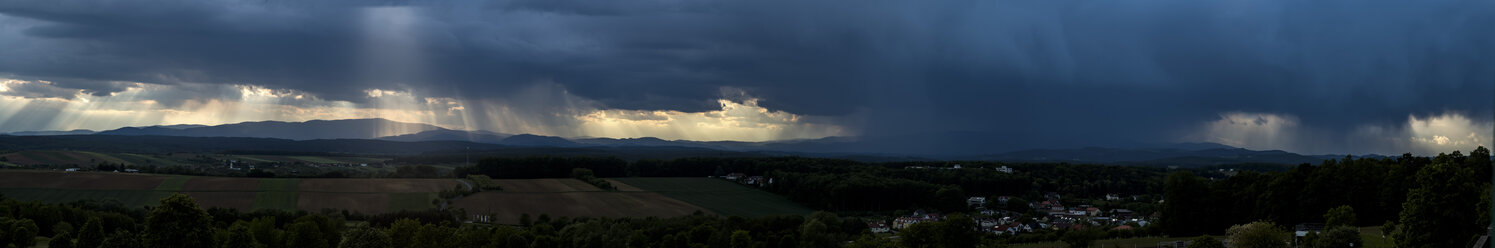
(544, 185)
(173, 183)
(506, 207)
(221, 184)
(243, 201)
(380, 185)
(623, 186)
(368, 203)
(78, 180)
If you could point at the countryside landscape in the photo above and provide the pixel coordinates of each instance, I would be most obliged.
(746, 124)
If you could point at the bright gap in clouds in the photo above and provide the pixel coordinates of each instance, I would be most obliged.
(1425, 135)
(36, 105)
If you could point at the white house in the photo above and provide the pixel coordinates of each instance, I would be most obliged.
(878, 227)
(976, 201)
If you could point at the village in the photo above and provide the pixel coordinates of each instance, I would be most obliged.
(1048, 214)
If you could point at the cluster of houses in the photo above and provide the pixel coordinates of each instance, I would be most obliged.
(1058, 217)
(1003, 169)
(742, 178)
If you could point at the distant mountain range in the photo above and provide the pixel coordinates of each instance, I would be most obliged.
(310, 130)
(376, 135)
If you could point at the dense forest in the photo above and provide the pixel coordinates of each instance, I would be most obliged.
(1441, 201)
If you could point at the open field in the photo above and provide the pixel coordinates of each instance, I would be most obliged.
(247, 194)
(125, 197)
(410, 201)
(381, 185)
(353, 202)
(79, 180)
(238, 200)
(221, 184)
(275, 200)
(623, 186)
(719, 196)
(544, 185)
(568, 197)
(637, 197)
(507, 207)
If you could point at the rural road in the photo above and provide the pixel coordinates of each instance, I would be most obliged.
(469, 188)
(469, 185)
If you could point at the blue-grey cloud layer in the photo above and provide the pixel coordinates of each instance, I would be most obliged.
(1025, 73)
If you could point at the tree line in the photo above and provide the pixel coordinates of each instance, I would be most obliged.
(1442, 201)
(179, 222)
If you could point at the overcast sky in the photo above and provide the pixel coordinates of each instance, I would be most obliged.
(1325, 76)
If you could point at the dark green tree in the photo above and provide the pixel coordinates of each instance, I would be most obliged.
(1081, 238)
(433, 236)
(305, 234)
(1183, 197)
(958, 230)
(1260, 234)
(470, 236)
(23, 233)
(638, 239)
(1339, 237)
(365, 237)
(1340, 216)
(741, 239)
(1439, 211)
(265, 232)
(92, 234)
(1205, 242)
(919, 235)
(240, 237)
(61, 240)
(121, 239)
(402, 233)
(178, 222)
(871, 241)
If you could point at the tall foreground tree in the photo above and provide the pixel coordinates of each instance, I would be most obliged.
(1184, 210)
(92, 234)
(1260, 234)
(1442, 210)
(1340, 216)
(178, 222)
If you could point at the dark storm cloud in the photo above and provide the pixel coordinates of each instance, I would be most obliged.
(1020, 73)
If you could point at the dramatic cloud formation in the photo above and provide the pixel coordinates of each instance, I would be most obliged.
(1336, 76)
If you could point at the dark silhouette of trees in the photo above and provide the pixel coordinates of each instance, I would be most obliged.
(178, 222)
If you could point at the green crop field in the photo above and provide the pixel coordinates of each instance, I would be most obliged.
(275, 200)
(410, 201)
(129, 198)
(174, 183)
(280, 184)
(720, 196)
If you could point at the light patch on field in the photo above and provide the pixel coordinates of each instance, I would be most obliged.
(411, 201)
(280, 200)
(174, 183)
